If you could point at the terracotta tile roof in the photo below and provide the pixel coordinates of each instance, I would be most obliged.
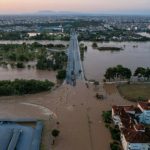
(133, 136)
(139, 127)
(125, 118)
(145, 105)
(119, 109)
(133, 132)
(129, 108)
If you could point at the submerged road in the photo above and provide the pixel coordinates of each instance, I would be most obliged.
(74, 66)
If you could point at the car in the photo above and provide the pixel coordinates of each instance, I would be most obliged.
(80, 71)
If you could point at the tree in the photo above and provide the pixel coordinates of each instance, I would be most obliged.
(114, 146)
(110, 73)
(55, 133)
(118, 72)
(61, 74)
(147, 73)
(20, 65)
(12, 56)
(140, 71)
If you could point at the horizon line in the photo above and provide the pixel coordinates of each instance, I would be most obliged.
(51, 12)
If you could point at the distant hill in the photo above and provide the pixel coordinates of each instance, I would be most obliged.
(49, 12)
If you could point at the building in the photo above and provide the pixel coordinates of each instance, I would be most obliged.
(145, 115)
(131, 120)
(20, 135)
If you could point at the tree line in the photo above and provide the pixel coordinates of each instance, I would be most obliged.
(17, 35)
(120, 72)
(142, 72)
(18, 54)
(21, 87)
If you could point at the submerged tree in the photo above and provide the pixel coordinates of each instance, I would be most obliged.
(61, 75)
(118, 72)
(55, 133)
(142, 72)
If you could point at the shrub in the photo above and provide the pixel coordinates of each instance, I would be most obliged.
(114, 146)
(106, 116)
(20, 65)
(55, 133)
(115, 133)
(61, 75)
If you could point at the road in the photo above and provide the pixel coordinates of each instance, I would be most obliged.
(74, 66)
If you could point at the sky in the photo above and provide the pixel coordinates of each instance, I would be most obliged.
(87, 6)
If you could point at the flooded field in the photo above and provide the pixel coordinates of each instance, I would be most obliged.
(7, 73)
(134, 55)
(11, 74)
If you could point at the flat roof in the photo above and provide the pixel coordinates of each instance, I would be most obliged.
(15, 136)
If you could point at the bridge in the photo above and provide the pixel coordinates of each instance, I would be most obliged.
(74, 65)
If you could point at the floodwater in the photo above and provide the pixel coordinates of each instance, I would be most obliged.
(12, 74)
(44, 42)
(134, 55)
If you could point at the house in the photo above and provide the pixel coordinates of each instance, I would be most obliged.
(135, 139)
(131, 120)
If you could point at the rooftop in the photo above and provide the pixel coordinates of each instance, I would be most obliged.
(134, 136)
(21, 137)
(133, 131)
(144, 105)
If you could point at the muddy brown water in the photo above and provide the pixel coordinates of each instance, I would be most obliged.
(11, 74)
(135, 54)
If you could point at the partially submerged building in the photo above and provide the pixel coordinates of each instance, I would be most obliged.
(20, 136)
(131, 121)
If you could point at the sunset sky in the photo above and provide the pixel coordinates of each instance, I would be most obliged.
(102, 6)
